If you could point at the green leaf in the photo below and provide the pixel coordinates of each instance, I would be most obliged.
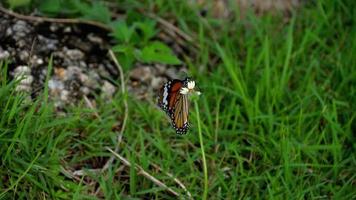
(148, 29)
(133, 16)
(50, 6)
(18, 3)
(125, 55)
(122, 32)
(78, 5)
(158, 52)
(97, 12)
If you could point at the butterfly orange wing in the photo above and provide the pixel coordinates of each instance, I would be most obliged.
(175, 105)
(180, 114)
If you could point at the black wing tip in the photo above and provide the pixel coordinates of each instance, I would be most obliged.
(183, 130)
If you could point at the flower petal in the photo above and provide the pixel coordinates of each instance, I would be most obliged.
(184, 90)
(191, 85)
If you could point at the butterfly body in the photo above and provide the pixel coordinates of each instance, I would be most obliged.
(173, 99)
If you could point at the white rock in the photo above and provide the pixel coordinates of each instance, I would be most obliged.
(74, 54)
(24, 55)
(172, 73)
(55, 84)
(95, 39)
(64, 95)
(9, 31)
(23, 88)
(4, 54)
(68, 29)
(21, 70)
(72, 71)
(157, 82)
(85, 90)
(108, 89)
(142, 73)
(27, 80)
(36, 61)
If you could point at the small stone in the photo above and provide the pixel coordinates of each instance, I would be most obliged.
(46, 44)
(68, 29)
(102, 71)
(24, 55)
(74, 54)
(85, 90)
(142, 73)
(21, 29)
(161, 68)
(157, 82)
(172, 73)
(20, 26)
(83, 78)
(94, 75)
(53, 27)
(23, 88)
(44, 72)
(64, 95)
(59, 54)
(39, 61)
(82, 64)
(21, 70)
(60, 72)
(58, 103)
(95, 39)
(27, 80)
(108, 89)
(9, 31)
(55, 85)
(36, 61)
(4, 54)
(21, 43)
(72, 72)
(50, 46)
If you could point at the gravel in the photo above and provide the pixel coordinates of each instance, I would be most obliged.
(80, 63)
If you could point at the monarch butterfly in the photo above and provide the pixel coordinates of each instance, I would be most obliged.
(173, 99)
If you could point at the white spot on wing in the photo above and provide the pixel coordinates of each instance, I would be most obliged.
(165, 95)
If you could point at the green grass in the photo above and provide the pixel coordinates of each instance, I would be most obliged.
(276, 115)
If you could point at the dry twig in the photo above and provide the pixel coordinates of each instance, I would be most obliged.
(173, 31)
(143, 172)
(68, 174)
(174, 179)
(54, 20)
(91, 106)
(123, 90)
(171, 26)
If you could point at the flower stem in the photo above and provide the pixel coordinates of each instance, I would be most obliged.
(205, 194)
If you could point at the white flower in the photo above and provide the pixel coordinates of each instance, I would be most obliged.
(184, 90)
(189, 89)
(191, 85)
